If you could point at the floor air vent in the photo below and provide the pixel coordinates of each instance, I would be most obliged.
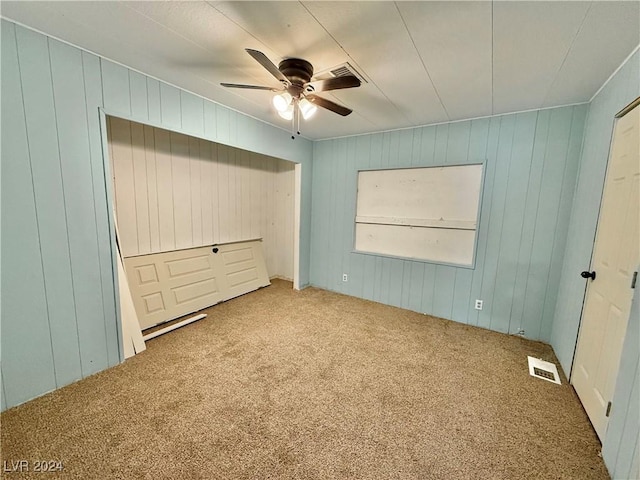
(544, 370)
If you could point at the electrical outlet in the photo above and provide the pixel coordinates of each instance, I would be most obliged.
(479, 304)
(345, 277)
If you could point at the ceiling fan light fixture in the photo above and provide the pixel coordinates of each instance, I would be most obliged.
(307, 108)
(287, 114)
(282, 102)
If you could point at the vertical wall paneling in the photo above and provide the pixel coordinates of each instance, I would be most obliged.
(100, 178)
(546, 222)
(166, 225)
(195, 172)
(125, 191)
(304, 239)
(499, 192)
(491, 145)
(358, 262)
(170, 110)
(138, 95)
(140, 188)
(181, 184)
(154, 113)
(206, 210)
(340, 192)
(33, 51)
(529, 216)
(59, 302)
(297, 199)
(319, 201)
(444, 281)
(152, 188)
(26, 341)
(350, 211)
(375, 161)
(563, 216)
(512, 221)
(192, 113)
(209, 116)
(115, 87)
(222, 187)
(73, 135)
(222, 125)
(463, 310)
(527, 156)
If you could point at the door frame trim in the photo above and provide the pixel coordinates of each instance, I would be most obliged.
(628, 108)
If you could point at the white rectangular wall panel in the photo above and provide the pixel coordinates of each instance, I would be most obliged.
(432, 244)
(419, 213)
(448, 193)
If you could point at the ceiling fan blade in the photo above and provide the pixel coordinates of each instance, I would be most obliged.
(346, 81)
(329, 105)
(262, 59)
(250, 87)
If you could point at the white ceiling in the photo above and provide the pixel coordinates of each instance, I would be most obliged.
(424, 62)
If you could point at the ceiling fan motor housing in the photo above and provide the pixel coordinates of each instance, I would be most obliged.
(299, 73)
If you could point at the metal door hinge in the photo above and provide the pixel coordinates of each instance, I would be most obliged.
(633, 280)
(608, 409)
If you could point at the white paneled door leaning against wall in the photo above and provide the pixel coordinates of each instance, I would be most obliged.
(615, 257)
(169, 285)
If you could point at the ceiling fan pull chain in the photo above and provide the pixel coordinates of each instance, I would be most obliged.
(293, 121)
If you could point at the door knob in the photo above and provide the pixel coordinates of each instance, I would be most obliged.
(586, 274)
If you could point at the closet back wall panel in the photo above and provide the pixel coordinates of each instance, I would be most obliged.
(174, 191)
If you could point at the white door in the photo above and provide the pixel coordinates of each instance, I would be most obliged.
(615, 256)
(169, 285)
(172, 284)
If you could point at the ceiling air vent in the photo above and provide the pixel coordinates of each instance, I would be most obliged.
(339, 71)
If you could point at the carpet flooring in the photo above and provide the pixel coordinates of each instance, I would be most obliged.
(280, 384)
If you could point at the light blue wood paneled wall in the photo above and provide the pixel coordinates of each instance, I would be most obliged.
(621, 89)
(620, 446)
(58, 301)
(531, 165)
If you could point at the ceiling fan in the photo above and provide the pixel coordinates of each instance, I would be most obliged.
(297, 93)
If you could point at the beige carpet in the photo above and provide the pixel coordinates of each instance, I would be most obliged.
(281, 384)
